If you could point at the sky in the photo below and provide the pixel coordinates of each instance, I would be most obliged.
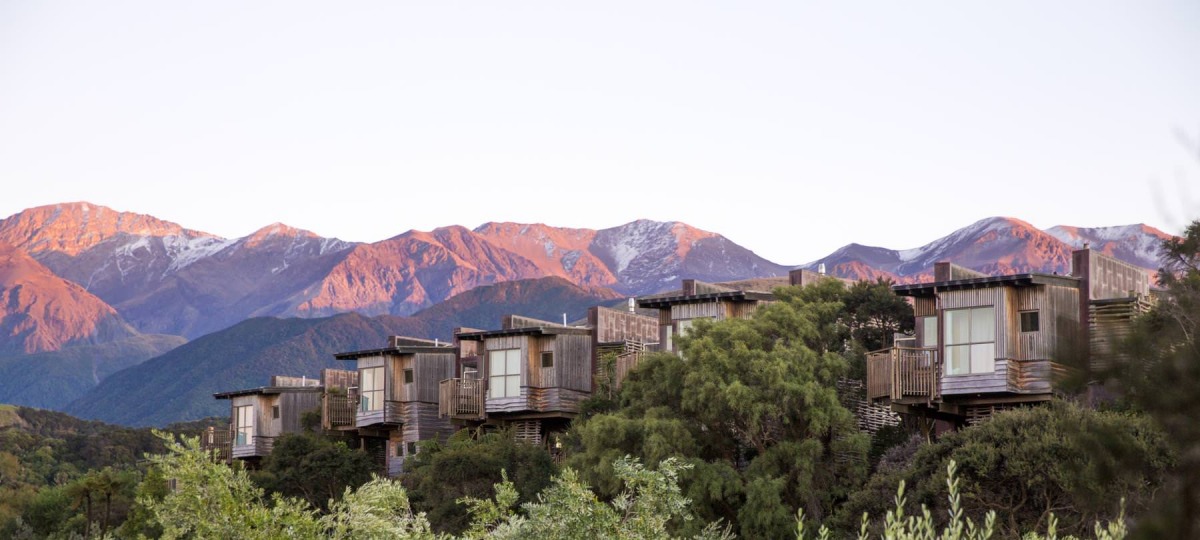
(792, 128)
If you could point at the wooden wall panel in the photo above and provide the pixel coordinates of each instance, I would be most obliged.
(924, 307)
(611, 325)
(573, 362)
(996, 381)
(715, 310)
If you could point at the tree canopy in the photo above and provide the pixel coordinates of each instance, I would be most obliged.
(752, 406)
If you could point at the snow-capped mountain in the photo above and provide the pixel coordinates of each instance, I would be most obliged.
(997, 245)
(166, 279)
(1138, 244)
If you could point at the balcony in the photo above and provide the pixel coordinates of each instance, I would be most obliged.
(904, 374)
(462, 399)
(218, 442)
(390, 412)
(256, 446)
(338, 411)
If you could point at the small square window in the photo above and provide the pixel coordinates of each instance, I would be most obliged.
(1029, 321)
(275, 411)
(412, 448)
(399, 449)
(408, 376)
(548, 359)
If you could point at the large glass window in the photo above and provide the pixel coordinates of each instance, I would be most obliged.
(371, 380)
(970, 340)
(504, 373)
(244, 425)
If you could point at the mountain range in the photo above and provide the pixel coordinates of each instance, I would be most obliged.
(90, 292)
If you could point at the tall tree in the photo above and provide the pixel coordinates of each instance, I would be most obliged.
(1161, 377)
(752, 406)
(313, 468)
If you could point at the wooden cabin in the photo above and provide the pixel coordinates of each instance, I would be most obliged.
(397, 396)
(985, 343)
(678, 309)
(258, 416)
(530, 374)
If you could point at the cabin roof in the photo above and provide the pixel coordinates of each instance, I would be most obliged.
(667, 301)
(527, 331)
(397, 351)
(1016, 280)
(267, 391)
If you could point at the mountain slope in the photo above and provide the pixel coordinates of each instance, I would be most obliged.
(179, 385)
(1138, 244)
(547, 299)
(51, 380)
(41, 312)
(995, 245)
(164, 278)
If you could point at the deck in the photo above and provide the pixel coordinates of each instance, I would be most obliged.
(462, 399)
(906, 374)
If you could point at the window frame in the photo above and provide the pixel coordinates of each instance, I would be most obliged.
(410, 375)
(1034, 316)
(547, 354)
(243, 416)
(929, 340)
(502, 375)
(371, 399)
(973, 345)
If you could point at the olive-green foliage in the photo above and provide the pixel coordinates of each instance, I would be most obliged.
(212, 500)
(899, 525)
(753, 409)
(1160, 375)
(650, 499)
(468, 466)
(313, 468)
(1025, 464)
(53, 467)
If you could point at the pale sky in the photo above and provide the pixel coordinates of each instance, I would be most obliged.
(790, 127)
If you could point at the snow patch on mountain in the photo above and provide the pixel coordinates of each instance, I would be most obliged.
(185, 251)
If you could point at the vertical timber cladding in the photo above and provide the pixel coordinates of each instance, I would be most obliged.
(1107, 277)
(292, 406)
(572, 361)
(1005, 344)
(1058, 321)
(611, 325)
(396, 389)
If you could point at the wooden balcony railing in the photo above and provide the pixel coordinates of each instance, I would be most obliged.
(391, 412)
(462, 398)
(338, 411)
(904, 373)
(218, 443)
